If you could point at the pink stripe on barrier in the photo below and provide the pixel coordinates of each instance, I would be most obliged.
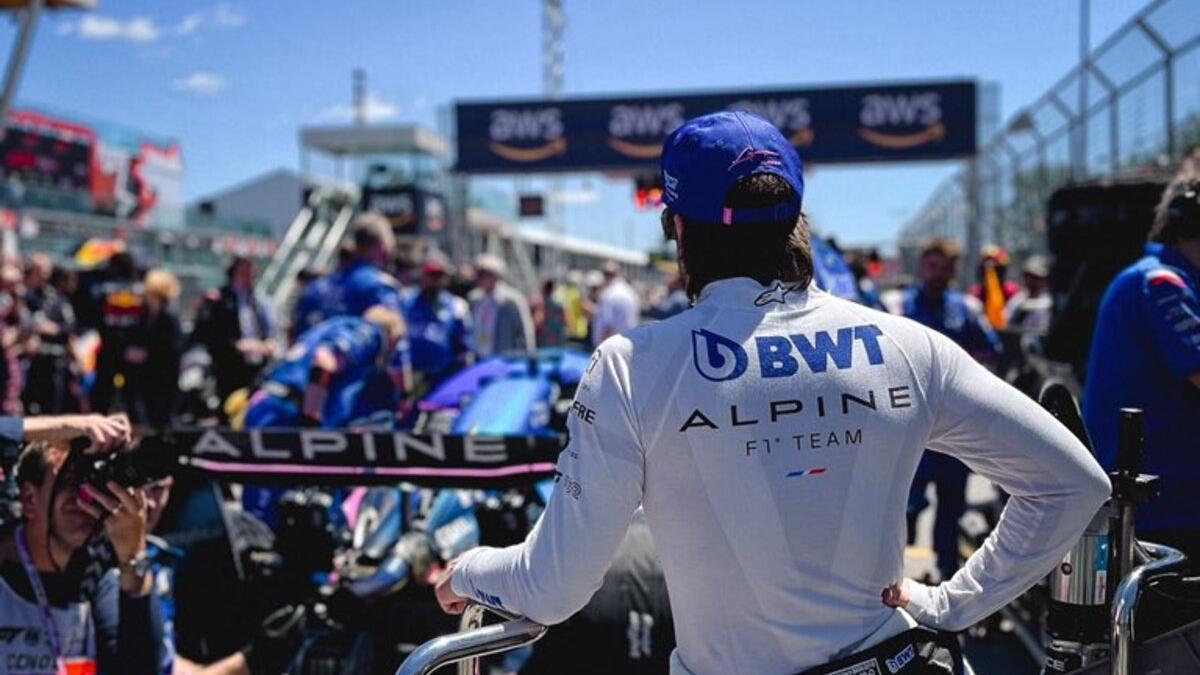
(432, 472)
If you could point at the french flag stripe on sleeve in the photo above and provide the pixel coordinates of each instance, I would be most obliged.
(1164, 276)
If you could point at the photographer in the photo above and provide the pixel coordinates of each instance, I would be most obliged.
(119, 629)
(105, 433)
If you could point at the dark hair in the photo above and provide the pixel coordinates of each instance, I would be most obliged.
(236, 261)
(764, 252)
(940, 246)
(122, 267)
(1177, 217)
(33, 463)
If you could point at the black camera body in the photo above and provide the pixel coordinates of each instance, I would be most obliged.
(152, 459)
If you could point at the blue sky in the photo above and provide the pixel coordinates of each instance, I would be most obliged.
(235, 81)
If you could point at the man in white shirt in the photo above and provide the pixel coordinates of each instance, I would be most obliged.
(771, 434)
(617, 306)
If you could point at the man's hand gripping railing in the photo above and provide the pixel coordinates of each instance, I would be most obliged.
(473, 641)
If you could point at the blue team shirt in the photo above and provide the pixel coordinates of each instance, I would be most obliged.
(1146, 345)
(347, 292)
(361, 387)
(954, 318)
(831, 272)
(439, 333)
(356, 344)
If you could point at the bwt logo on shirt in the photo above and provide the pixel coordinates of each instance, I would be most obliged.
(888, 121)
(527, 134)
(720, 359)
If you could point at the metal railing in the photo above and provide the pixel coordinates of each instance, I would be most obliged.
(473, 641)
(1131, 108)
(1125, 601)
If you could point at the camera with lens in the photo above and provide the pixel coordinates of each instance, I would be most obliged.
(149, 460)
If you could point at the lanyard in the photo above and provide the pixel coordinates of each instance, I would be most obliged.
(39, 593)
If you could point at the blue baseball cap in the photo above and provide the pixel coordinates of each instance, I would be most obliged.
(708, 155)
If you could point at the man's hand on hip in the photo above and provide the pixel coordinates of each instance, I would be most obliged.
(451, 602)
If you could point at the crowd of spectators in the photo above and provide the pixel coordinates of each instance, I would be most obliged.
(112, 340)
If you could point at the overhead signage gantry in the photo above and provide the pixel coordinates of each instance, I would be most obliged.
(880, 123)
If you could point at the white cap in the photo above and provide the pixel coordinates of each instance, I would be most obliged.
(487, 262)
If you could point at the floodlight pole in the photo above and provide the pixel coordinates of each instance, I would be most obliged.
(16, 60)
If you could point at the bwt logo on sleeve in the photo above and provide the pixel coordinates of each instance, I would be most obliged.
(638, 131)
(720, 359)
(527, 134)
(790, 115)
(901, 121)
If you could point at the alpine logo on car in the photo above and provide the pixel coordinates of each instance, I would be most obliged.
(901, 121)
(720, 359)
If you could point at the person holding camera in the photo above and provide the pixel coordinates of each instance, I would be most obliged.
(116, 630)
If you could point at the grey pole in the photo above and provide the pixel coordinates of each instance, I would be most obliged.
(1081, 134)
(16, 60)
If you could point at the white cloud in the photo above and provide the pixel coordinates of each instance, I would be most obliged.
(201, 83)
(227, 17)
(190, 24)
(97, 27)
(376, 111)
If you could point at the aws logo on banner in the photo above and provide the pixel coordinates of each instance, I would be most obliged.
(790, 115)
(526, 134)
(901, 121)
(720, 359)
(637, 131)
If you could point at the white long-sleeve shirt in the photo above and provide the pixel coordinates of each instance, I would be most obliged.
(771, 435)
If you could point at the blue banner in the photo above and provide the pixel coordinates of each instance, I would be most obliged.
(898, 122)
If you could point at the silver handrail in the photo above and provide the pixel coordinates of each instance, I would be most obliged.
(475, 641)
(1125, 602)
(270, 277)
(333, 239)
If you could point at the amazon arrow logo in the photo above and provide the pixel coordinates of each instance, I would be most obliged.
(526, 134)
(901, 121)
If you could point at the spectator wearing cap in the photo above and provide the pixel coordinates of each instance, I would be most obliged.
(439, 324)
(617, 305)
(500, 314)
(1029, 310)
(237, 329)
